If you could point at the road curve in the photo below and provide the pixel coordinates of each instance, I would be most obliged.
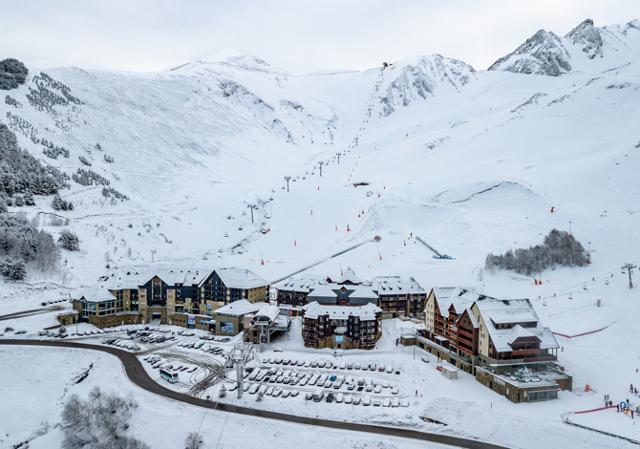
(137, 374)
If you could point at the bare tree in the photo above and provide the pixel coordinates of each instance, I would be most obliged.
(193, 441)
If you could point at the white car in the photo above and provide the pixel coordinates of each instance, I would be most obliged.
(366, 401)
(339, 398)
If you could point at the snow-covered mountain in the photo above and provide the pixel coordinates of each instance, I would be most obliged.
(184, 151)
(584, 48)
(420, 78)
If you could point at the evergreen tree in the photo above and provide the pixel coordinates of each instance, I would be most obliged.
(69, 241)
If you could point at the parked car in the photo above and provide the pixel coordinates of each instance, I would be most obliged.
(366, 401)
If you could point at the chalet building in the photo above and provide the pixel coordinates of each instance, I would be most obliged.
(395, 295)
(451, 326)
(501, 342)
(398, 296)
(226, 285)
(294, 292)
(100, 307)
(341, 327)
(186, 298)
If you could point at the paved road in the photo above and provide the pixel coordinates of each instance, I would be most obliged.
(137, 374)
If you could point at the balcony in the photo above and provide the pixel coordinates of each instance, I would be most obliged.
(517, 353)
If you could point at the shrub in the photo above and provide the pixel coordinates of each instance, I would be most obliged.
(87, 177)
(99, 422)
(13, 269)
(60, 204)
(69, 241)
(28, 199)
(8, 99)
(12, 73)
(84, 160)
(193, 441)
(111, 192)
(53, 151)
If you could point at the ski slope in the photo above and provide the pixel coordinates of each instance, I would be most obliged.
(471, 161)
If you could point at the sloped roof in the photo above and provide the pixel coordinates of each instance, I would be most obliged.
(453, 296)
(511, 312)
(394, 285)
(269, 311)
(240, 278)
(135, 276)
(298, 284)
(366, 312)
(349, 276)
(352, 291)
(520, 332)
(96, 293)
(239, 308)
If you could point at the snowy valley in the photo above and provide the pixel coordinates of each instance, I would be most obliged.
(227, 161)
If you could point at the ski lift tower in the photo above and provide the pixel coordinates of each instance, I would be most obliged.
(629, 269)
(237, 356)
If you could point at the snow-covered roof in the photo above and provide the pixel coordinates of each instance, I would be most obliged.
(298, 284)
(458, 297)
(520, 332)
(96, 293)
(133, 277)
(349, 276)
(239, 308)
(395, 285)
(240, 278)
(357, 294)
(513, 312)
(453, 296)
(268, 311)
(366, 312)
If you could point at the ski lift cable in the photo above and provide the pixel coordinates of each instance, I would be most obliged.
(571, 289)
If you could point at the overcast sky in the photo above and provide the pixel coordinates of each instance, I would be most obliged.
(295, 35)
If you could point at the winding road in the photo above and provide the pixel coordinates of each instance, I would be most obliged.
(137, 374)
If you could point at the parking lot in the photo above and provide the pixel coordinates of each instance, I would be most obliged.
(356, 383)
